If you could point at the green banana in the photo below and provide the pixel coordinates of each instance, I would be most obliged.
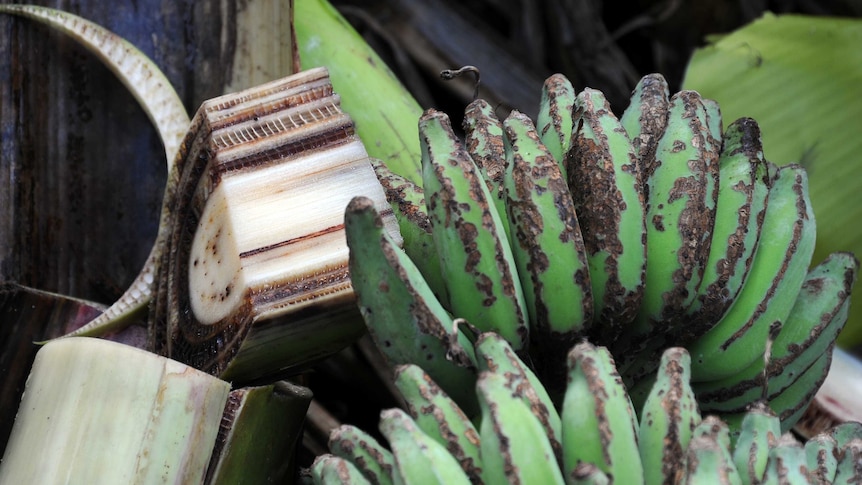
(483, 138)
(787, 463)
(758, 433)
(707, 459)
(598, 422)
(605, 183)
(645, 119)
(404, 318)
(849, 468)
(668, 419)
(681, 202)
(817, 316)
(440, 418)
(821, 456)
(420, 459)
(384, 111)
(331, 470)
(494, 354)
(713, 121)
(408, 204)
(477, 261)
(777, 272)
(846, 432)
(375, 462)
(515, 445)
(742, 196)
(160, 102)
(791, 402)
(548, 249)
(554, 122)
(587, 474)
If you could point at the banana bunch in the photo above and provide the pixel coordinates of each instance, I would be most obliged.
(652, 230)
(593, 437)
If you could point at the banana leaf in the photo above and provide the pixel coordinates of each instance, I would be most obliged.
(800, 78)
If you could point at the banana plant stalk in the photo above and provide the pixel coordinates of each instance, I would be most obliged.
(102, 412)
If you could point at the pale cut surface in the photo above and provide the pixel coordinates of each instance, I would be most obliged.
(258, 225)
(100, 412)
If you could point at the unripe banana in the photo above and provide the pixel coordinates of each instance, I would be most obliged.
(476, 258)
(742, 196)
(408, 204)
(681, 203)
(821, 455)
(554, 122)
(606, 188)
(404, 318)
(758, 434)
(439, 417)
(494, 354)
(777, 272)
(483, 138)
(375, 462)
(787, 463)
(645, 119)
(791, 402)
(384, 111)
(713, 121)
(515, 446)
(334, 470)
(599, 424)
(818, 315)
(846, 432)
(849, 469)
(707, 459)
(587, 474)
(548, 249)
(420, 459)
(668, 419)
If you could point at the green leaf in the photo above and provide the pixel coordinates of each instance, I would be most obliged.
(800, 78)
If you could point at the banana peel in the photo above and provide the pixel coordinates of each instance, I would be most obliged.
(799, 77)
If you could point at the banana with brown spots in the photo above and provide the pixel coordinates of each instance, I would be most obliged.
(606, 187)
(758, 433)
(598, 420)
(817, 316)
(645, 119)
(555, 123)
(436, 414)
(401, 313)
(408, 204)
(707, 458)
(515, 446)
(780, 264)
(483, 139)
(375, 462)
(682, 190)
(742, 197)
(421, 460)
(548, 248)
(477, 262)
(668, 418)
(331, 470)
